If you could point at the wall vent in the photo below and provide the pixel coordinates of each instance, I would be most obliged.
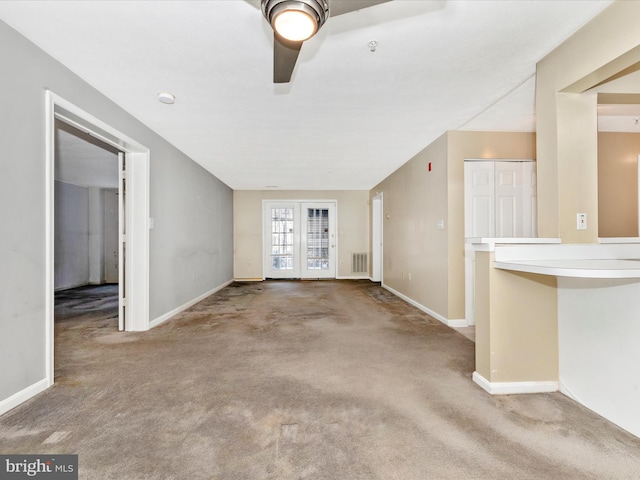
(360, 263)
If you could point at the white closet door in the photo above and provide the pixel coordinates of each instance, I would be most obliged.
(479, 199)
(508, 199)
(499, 202)
(500, 199)
(529, 200)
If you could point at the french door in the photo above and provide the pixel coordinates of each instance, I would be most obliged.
(299, 239)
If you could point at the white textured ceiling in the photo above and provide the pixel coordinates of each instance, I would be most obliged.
(349, 117)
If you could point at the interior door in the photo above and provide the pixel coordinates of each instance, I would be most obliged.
(529, 200)
(122, 244)
(299, 239)
(111, 236)
(508, 199)
(479, 199)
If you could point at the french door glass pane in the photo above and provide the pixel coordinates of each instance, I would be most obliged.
(317, 239)
(282, 238)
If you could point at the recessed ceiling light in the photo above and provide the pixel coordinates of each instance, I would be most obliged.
(166, 97)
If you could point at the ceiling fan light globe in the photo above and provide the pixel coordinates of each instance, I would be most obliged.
(295, 25)
(295, 20)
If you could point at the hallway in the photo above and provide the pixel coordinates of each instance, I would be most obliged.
(287, 380)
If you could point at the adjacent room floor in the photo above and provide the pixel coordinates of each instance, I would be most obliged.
(287, 380)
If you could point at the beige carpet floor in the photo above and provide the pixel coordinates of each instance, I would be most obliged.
(288, 380)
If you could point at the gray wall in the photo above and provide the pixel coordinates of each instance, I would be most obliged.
(192, 209)
(79, 237)
(71, 247)
(97, 232)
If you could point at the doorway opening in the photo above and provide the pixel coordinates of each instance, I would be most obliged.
(299, 239)
(133, 215)
(618, 172)
(87, 257)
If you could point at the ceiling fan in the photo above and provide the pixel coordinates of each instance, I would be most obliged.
(294, 21)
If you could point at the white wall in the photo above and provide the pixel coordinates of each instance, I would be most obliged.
(599, 353)
(71, 248)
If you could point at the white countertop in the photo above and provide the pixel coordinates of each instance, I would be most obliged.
(583, 268)
(547, 256)
(488, 244)
(619, 240)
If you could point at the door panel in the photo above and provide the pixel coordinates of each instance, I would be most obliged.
(506, 222)
(318, 243)
(111, 236)
(122, 245)
(530, 200)
(482, 217)
(508, 177)
(282, 230)
(479, 199)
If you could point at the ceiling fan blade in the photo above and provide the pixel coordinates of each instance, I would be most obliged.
(285, 54)
(338, 7)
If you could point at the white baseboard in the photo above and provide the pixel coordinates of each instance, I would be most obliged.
(457, 323)
(69, 287)
(512, 388)
(352, 277)
(23, 395)
(181, 308)
(437, 316)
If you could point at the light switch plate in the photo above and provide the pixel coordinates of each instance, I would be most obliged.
(581, 220)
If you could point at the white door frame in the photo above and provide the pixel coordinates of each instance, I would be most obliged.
(377, 238)
(137, 214)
